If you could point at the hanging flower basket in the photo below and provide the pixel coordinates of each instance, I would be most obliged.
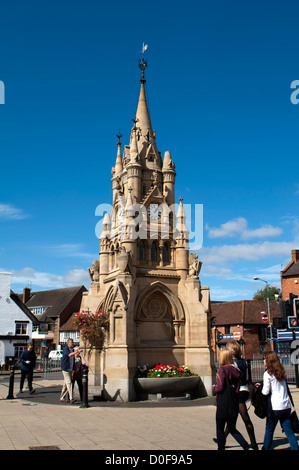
(93, 327)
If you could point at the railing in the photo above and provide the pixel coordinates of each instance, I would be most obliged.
(48, 369)
(257, 368)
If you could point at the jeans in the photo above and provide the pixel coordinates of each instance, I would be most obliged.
(284, 417)
(231, 425)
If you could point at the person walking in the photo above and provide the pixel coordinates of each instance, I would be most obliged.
(274, 383)
(77, 372)
(240, 362)
(67, 365)
(28, 361)
(229, 370)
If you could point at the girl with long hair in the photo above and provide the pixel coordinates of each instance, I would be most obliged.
(274, 383)
(240, 362)
(226, 366)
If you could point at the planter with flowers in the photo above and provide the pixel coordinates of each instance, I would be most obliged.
(93, 328)
(166, 380)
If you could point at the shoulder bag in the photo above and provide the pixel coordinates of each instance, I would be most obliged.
(227, 401)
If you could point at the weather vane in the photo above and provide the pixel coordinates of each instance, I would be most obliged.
(143, 62)
(119, 136)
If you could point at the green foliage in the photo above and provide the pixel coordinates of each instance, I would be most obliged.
(261, 294)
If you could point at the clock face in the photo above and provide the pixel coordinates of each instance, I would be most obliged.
(154, 212)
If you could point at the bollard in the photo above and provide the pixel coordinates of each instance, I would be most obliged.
(85, 388)
(10, 395)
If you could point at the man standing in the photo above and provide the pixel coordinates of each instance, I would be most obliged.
(28, 361)
(67, 365)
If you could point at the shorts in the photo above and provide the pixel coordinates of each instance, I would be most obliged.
(243, 396)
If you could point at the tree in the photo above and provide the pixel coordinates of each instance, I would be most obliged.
(261, 294)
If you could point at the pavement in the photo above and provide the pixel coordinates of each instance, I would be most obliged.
(41, 422)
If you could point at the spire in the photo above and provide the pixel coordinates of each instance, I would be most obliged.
(118, 164)
(168, 162)
(142, 114)
(106, 227)
(133, 144)
(181, 228)
(143, 148)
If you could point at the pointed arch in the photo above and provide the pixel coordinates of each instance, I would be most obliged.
(117, 292)
(177, 309)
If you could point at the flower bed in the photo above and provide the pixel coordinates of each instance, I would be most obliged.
(164, 370)
(166, 380)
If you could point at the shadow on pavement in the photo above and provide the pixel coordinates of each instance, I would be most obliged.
(51, 395)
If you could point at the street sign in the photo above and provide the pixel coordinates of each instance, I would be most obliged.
(237, 335)
(264, 318)
(286, 334)
(292, 322)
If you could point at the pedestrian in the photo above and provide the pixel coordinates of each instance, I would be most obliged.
(227, 368)
(240, 362)
(67, 365)
(28, 361)
(274, 383)
(77, 372)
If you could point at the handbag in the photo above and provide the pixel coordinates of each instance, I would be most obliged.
(260, 403)
(294, 417)
(227, 401)
(295, 422)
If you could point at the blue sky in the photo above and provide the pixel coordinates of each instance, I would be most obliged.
(218, 88)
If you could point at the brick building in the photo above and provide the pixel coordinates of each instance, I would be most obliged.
(52, 309)
(290, 277)
(241, 320)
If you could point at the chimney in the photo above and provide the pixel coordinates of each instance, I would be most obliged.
(295, 256)
(26, 294)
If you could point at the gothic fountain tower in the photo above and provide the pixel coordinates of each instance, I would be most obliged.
(145, 277)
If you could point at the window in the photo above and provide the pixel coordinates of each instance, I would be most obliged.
(21, 328)
(165, 253)
(65, 335)
(143, 190)
(227, 330)
(38, 310)
(141, 251)
(19, 349)
(154, 252)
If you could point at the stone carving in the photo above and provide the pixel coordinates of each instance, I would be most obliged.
(94, 271)
(122, 259)
(194, 265)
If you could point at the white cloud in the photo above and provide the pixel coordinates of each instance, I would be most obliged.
(239, 227)
(221, 293)
(28, 276)
(8, 211)
(263, 232)
(229, 229)
(68, 250)
(77, 277)
(224, 253)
